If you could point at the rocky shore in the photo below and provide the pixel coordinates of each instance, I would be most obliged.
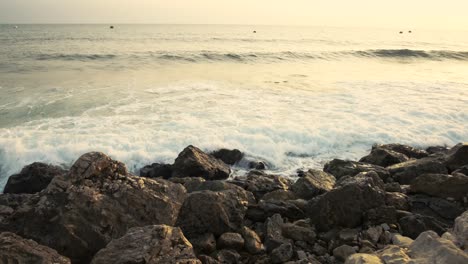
(398, 204)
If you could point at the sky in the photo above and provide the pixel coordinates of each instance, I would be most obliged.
(447, 14)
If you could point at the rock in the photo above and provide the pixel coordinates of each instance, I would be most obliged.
(394, 255)
(279, 195)
(157, 170)
(299, 233)
(15, 249)
(191, 184)
(32, 178)
(274, 232)
(344, 206)
(348, 235)
(265, 209)
(313, 183)
(226, 256)
(462, 170)
(408, 151)
(441, 209)
(260, 183)
(460, 230)
(231, 241)
(398, 200)
(192, 162)
(457, 157)
(384, 157)
(207, 259)
(393, 187)
(205, 243)
(319, 250)
(401, 241)
(430, 248)
(149, 244)
(253, 243)
(441, 185)
(340, 168)
(257, 165)
(343, 252)
(228, 156)
(282, 253)
(97, 201)
(218, 186)
(414, 225)
(363, 259)
(373, 233)
(437, 150)
(212, 212)
(406, 172)
(380, 215)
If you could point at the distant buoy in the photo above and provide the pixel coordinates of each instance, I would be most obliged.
(111, 27)
(254, 31)
(401, 32)
(410, 31)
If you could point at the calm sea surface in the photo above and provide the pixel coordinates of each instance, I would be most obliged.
(293, 96)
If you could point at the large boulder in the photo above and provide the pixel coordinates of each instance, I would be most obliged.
(313, 183)
(457, 157)
(430, 248)
(192, 162)
(410, 152)
(97, 201)
(413, 225)
(151, 245)
(15, 249)
(345, 205)
(340, 168)
(32, 178)
(441, 185)
(384, 157)
(228, 156)
(406, 172)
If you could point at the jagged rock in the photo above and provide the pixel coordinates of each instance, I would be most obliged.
(414, 225)
(191, 184)
(398, 200)
(457, 157)
(441, 185)
(157, 170)
(149, 244)
(313, 183)
(441, 209)
(340, 168)
(264, 209)
(260, 183)
(227, 256)
(408, 151)
(363, 259)
(218, 186)
(430, 248)
(384, 157)
(192, 162)
(343, 252)
(228, 156)
(373, 233)
(15, 249)
(282, 253)
(274, 232)
(97, 201)
(401, 241)
(253, 243)
(32, 178)
(205, 243)
(406, 172)
(345, 205)
(279, 195)
(394, 255)
(215, 212)
(231, 241)
(460, 230)
(299, 233)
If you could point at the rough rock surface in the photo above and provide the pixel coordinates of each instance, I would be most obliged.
(260, 183)
(313, 183)
(156, 170)
(253, 243)
(15, 249)
(97, 201)
(457, 157)
(430, 248)
(151, 245)
(228, 156)
(384, 157)
(231, 240)
(413, 225)
(192, 162)
(460, 230)
(32, 178)
(441, 185)
(363, 259)
(408, 151)
(406, 172)
(340, 168)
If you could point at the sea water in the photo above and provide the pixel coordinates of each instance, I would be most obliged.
(295, 97)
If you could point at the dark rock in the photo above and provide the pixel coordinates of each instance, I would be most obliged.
(457, 157)
(156, 170)
(343, 252)
(205, 243)
(274, 233)
(299, 233)
(15, 249)
(253, 243)
(97, 201)
(231, 241)
(192, 162)
(393, 187)
(32, 178)
(149, 244)
(380, 215)
(257, 165)
(462, 170)
(191, 184)
(406, 172)
(215, 212)
(226, 256)
(409, 151)
(207, 260)
(348, 235)
(260, 183)
(313, 183)
(340, 168)
(218, 186)
(228, 156)
(282, 253)
(319, 250)
(441, 209)
(264, 209)
(384, 157)
(414, 225)
(345, 205)
(279, 195)
(398, 200)
(437, 150)
(441, 185)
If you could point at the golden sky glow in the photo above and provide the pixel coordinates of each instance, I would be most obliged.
(447, 14)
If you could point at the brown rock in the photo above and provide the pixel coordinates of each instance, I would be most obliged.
(313, 183)
(457, 156)
(32, 178)
(441, 185)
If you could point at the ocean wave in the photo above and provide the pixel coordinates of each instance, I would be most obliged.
(75, 57)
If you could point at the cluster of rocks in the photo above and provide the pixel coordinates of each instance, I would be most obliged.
(398, 204)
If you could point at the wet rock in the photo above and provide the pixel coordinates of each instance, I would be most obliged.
(15, 249)
(441, 185)
(313, 183)
(253, 243)
(457, 157)
(192, 162)
(156, 170)
(406, 172)
(149, 244)
(340, 168)
(32, 178)
(228, 156)
(257, 165)
(414, 225)
(384, 157)
(408, 151)
(205, 243)
(260, 183)
(401, 241)
(231, 241)
(430, 248)
(343, 252)
(398, 200)
(363, 259)
(97, 201)
(282, 253)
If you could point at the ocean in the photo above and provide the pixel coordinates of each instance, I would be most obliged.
(295, 97)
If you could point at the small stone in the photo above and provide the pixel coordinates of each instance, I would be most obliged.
(282, 253)
(343, 252)
(231, 241)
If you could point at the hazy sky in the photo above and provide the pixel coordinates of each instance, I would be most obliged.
(450, 14)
